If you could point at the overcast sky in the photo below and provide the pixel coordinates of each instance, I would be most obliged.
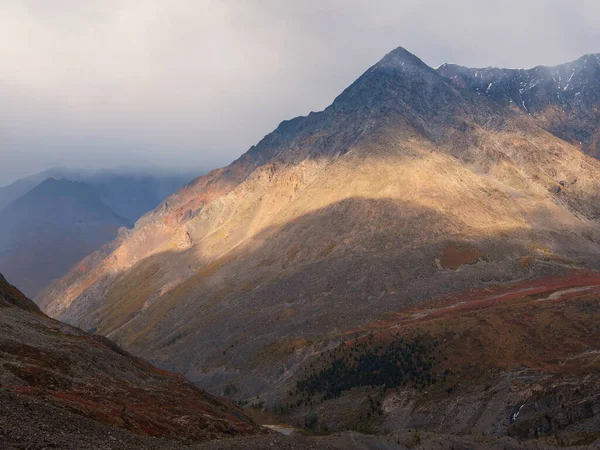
(194, 83)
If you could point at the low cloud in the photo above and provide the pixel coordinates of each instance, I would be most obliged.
(193, 83)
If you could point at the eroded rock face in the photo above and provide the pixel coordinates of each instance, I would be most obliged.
(556, 409)
(75, 384)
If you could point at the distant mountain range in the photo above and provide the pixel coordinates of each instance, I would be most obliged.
(128, 193)
(46, 226)
(421, 255)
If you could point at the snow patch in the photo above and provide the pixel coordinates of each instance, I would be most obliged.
(514, 417)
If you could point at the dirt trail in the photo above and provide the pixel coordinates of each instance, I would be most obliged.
(558, 294)
(286, 430)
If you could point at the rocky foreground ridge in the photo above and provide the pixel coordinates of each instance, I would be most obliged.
(62, 388)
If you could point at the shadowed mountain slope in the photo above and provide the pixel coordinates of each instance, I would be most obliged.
(407, 187)
(80, 391)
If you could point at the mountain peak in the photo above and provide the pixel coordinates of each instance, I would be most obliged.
(400, 58)
(593, 58)
(396, 71)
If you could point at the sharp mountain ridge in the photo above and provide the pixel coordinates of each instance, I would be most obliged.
(563, 99)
